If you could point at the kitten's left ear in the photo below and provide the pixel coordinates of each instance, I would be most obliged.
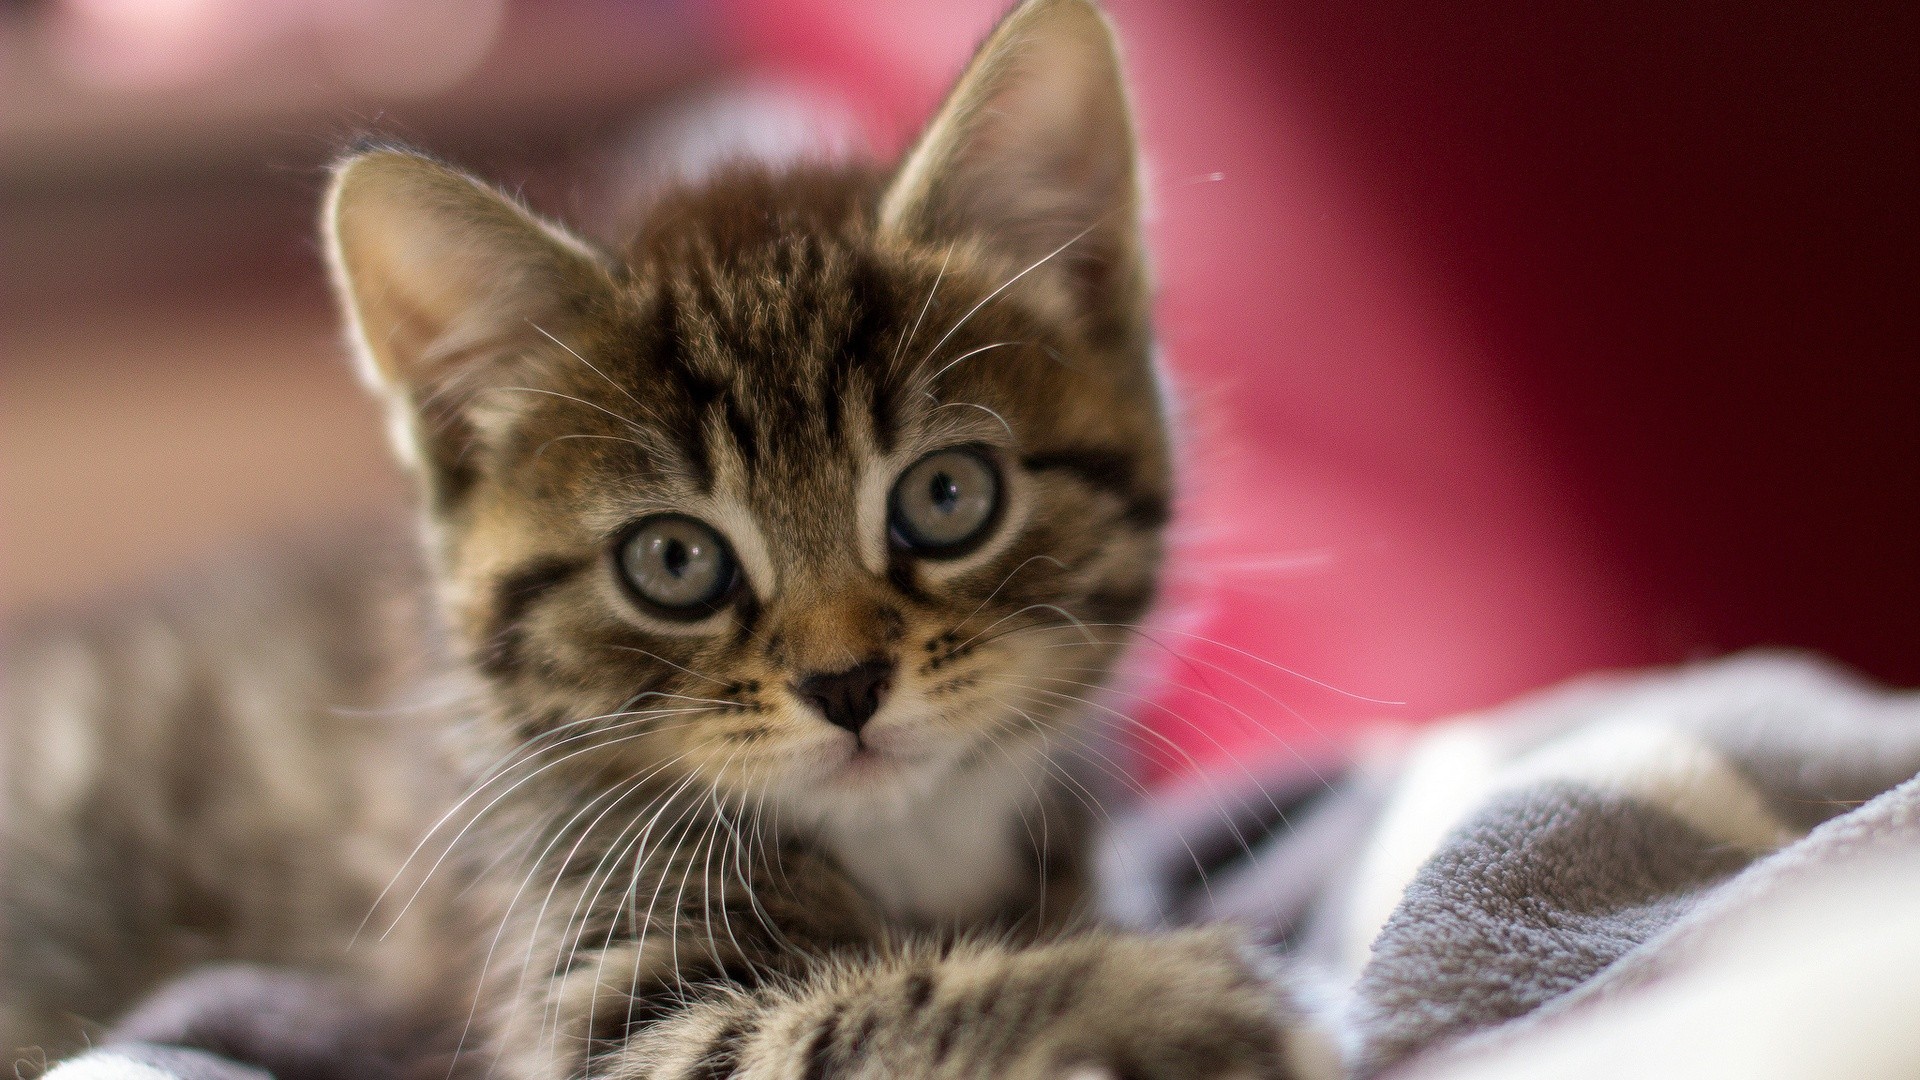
(1033, 154)
(445, 281)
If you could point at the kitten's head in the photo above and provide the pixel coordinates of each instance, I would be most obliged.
(833, 480)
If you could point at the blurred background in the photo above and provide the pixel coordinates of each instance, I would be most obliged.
(1515, 339)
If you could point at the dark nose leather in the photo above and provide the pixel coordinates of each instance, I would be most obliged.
(848, 699)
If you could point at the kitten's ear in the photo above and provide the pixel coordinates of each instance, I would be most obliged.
(444, 281)
(1033, 153)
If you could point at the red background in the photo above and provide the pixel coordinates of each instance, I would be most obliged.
(1517, 339)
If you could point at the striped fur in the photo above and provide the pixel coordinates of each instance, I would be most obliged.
(683, 870)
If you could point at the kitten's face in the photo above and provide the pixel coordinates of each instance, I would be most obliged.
(760, 511)
(825, 487)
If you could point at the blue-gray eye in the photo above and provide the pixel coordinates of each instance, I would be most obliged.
(945, 501)
(677, 563)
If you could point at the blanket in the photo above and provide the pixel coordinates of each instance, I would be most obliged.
(1707, 871)
(1512, 883)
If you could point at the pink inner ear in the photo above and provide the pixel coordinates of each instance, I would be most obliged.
(1370, 500)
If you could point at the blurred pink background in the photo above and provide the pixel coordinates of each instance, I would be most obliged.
(1514, 339)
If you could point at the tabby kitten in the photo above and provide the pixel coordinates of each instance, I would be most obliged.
(784, 553)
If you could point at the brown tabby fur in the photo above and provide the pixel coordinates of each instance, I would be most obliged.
(667, 864)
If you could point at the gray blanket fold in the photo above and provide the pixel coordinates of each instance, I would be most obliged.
(1549, 858)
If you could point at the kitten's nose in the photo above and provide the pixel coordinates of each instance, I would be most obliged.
(848, 699)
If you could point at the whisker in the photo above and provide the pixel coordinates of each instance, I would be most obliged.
(1003, 584)
(1258, 659)
(624, 392)
(1195, 661)
(973, 405)
(1193, 766)
(1121, 776)
(639, 929)
(534, 868)
(487, 782)
(719, 822)
(654, 901)
(611, 860)
(1041, 844)
(635, 443)
(673, 936)
(935, 377)
(679, 898)
(553, 1005)
(1008, 284)
(1021, 684)
(757, 826)
(902, 344)
(1055, 608)
(528, 867)
(577, 401)
(1252, 725)
(677, 667)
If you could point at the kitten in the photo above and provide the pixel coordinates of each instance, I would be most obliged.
(780, 556)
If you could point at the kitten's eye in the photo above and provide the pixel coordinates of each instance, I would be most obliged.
(678, 564)
(945, 501)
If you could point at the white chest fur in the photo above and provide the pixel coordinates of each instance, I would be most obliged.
(951, 855)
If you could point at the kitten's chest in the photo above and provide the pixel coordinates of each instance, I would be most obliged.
(961, 855)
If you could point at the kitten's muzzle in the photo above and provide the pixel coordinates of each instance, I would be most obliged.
(848, 699)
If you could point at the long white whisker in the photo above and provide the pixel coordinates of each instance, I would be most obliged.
(1003, 584)
(900, 346)
(1008, 284)
(529, 867)
(635, 443)
(610, 382)
(616, 854)
(1055, 608)
(642, 717)
(935, 377)
(1252, 724)
(1148, 729)
(1258, 659)
(1114, 772)
(550, 1014)
(715, 826)
(974, 405)
(671, 664)
(679, 980)
(578, 401)
(618, 792)
(1184, 658)
(673, 929)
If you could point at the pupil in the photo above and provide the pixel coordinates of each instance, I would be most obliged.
(676, 556)
(943, 491)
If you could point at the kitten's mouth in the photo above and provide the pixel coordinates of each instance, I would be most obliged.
(865, 761)
(864, 768)
(865, 758)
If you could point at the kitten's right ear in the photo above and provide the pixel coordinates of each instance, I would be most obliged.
(443, 280)
(1033, 154)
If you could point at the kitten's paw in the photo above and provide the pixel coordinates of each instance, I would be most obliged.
(1190, 1006)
